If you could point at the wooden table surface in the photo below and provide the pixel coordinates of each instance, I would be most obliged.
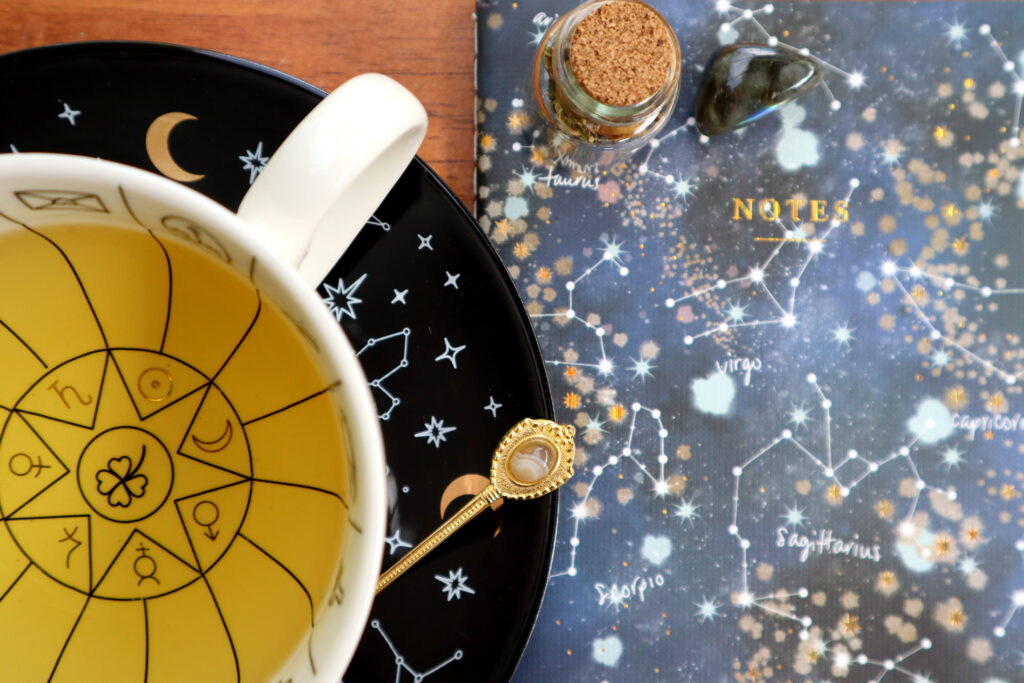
(428, 46)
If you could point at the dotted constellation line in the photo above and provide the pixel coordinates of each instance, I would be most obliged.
(1016, 603)
(611, 253)
(842, 486)
(660, 486)
(378, 383)
(757, 276)
(1018, 84)
(685, 187)
(401, 663)
(854, 80)
(940, 358)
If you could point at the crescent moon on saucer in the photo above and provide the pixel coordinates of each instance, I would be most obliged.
(218, 444)
(470, 485)
(158, 151)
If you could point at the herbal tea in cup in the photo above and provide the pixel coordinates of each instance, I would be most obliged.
(173, 477)
(191, 469)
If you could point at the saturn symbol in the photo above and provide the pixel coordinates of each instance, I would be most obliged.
(157, 146)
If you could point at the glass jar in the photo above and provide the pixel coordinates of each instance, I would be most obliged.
(579, 118)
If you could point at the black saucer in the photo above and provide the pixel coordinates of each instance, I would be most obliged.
(439, 328)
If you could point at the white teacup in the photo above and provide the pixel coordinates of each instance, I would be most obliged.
(191, 468)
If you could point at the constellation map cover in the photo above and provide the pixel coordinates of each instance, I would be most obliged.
(793, 354)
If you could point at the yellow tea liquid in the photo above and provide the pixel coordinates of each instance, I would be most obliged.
(172, 467)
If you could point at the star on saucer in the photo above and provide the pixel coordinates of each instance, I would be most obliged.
(399, 296)
(395, 542)
(454, 584)
(69, 114)
(453, 280)
(493, 407)
(341, 300)
(425, 242)
(450, 352)
(434, 432)
(253, 161)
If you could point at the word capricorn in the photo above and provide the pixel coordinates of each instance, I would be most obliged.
(800, 210)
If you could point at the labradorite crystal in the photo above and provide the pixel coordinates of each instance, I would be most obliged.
(744, 82)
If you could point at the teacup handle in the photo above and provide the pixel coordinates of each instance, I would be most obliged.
(329, 175)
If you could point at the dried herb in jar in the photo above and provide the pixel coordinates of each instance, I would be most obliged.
(607, 73)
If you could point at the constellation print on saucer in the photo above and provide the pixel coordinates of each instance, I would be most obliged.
(402, 665)
(391, 400)
(376, 222)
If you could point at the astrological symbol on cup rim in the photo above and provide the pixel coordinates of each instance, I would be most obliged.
(38, 465)
(147, 563)
(197, 234)
(67, 387)
(155, 384)
(210, 512)
(337, 591)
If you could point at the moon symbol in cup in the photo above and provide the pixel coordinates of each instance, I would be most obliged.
(158, 150)
(218, 444)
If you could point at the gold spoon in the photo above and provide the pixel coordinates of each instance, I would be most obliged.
(533, 459)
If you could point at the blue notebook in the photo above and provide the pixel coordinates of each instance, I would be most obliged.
(793, 354)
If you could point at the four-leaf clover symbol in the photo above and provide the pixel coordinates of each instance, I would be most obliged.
(120, 482)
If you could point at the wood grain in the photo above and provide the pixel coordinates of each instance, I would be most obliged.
(428, 46)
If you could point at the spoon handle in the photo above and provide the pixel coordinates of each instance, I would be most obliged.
(479, 502)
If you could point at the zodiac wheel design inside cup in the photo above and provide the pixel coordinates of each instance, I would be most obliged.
(173, 475)
(150, 522)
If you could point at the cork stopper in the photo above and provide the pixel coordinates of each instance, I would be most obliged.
(621, 53)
